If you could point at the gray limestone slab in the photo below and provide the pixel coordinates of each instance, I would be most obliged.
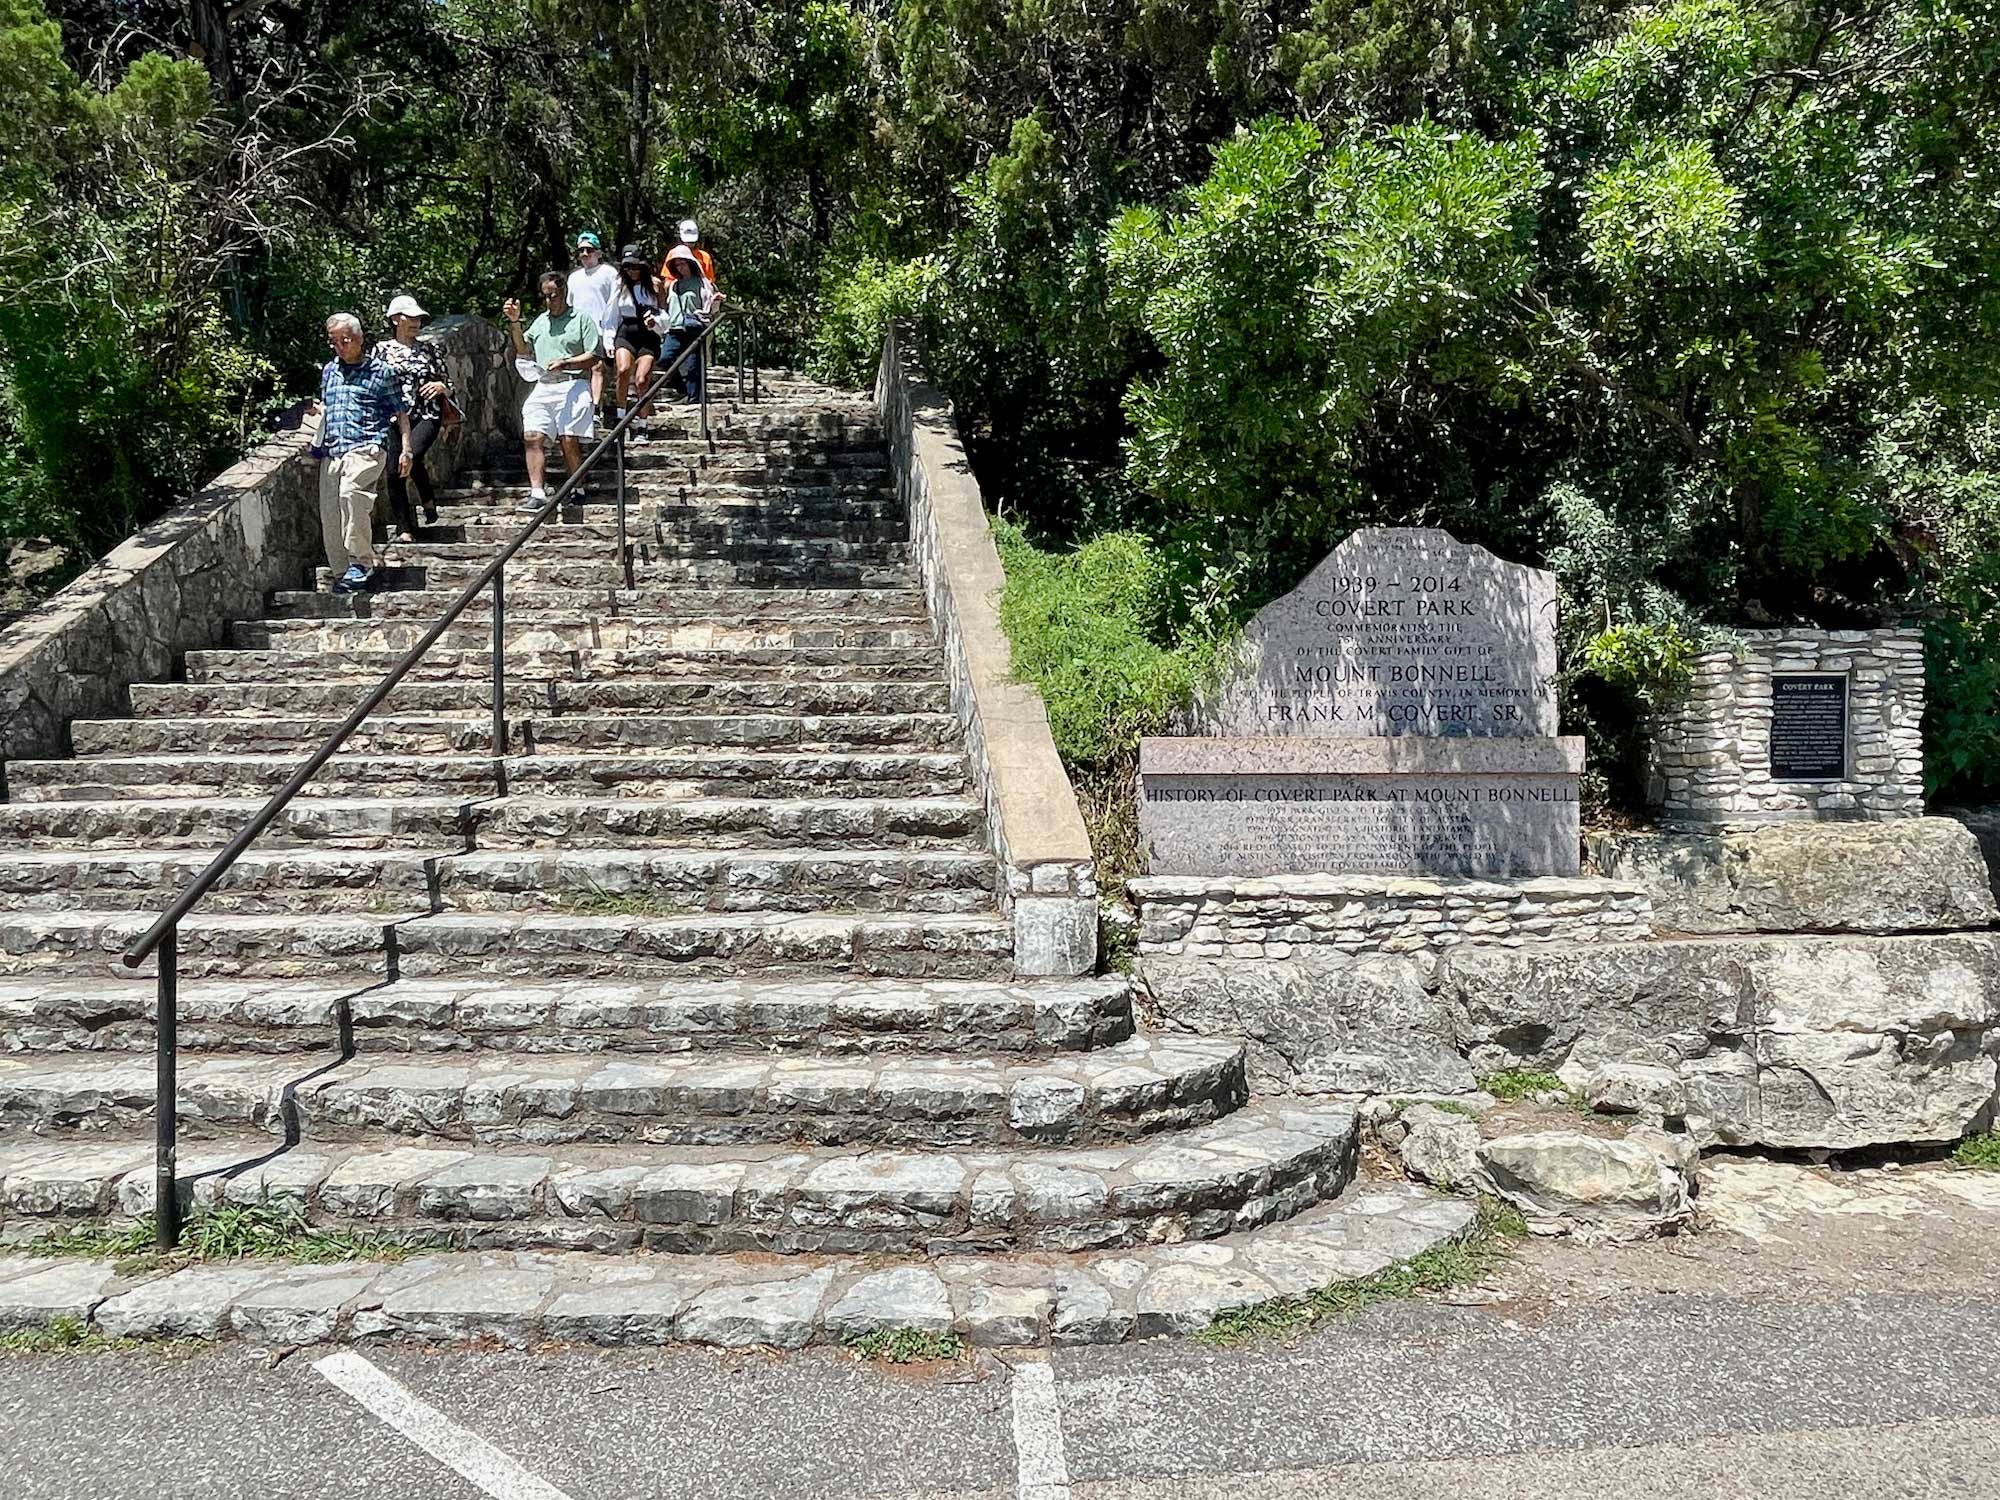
(302, 1307)
(60, 1289)
(190, 1303)
(782, 1312)
(487, 1296)
(902, 1297)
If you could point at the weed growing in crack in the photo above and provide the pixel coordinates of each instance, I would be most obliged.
(1440, 1268)
(1981, 1152)
(1511, 1085)
(903, 1346)
(274, 1231)
(60, 1336)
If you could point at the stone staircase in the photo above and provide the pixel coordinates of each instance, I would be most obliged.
(711, 961)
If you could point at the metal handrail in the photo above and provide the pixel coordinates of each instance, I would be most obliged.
(163, 935)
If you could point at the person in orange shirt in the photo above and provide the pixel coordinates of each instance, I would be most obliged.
(691, 237)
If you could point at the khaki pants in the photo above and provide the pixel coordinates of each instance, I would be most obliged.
(347, 507)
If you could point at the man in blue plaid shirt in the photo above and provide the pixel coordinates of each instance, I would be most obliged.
(359, 397)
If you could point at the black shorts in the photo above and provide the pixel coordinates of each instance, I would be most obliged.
(637, 338)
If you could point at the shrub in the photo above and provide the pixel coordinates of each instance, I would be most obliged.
(858, 302)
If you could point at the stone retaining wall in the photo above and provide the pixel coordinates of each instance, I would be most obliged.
(1279, 917)
(175, 586)
(1711, 756)
(1049, 884)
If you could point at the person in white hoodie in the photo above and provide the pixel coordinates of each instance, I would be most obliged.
(593, 291)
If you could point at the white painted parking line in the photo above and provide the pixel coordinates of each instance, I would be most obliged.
(466, 1454)
(1042, 1462)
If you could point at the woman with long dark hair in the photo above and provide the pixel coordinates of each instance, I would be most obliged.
(637, 346)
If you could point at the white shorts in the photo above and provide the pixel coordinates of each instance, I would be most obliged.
(558, 408)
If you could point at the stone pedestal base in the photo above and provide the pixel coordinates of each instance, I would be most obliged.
(1491, 807)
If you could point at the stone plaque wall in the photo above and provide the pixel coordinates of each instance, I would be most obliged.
(1801, 724)
(1399, 631)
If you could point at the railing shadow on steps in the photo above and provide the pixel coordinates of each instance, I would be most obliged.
(163, 937)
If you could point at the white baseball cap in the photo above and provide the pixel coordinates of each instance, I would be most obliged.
(689, 234)
(527, 369)
(406, 306)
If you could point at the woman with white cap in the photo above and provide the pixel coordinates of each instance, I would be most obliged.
(427, 393)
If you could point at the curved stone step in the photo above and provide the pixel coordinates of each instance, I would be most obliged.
(1129, 1089)
(555, 634)
(510, 822)
(523, 1298)
(542, 944)
(440, 663)
(471, 732)
(659, 882)
(323, 693)
(658, 774)
(57, 1013)
(653, 602)
(1265, 1163)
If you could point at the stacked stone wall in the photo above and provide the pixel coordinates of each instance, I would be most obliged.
(1286, 916)
(1711, 756)
(1049, 877)
(175, 586)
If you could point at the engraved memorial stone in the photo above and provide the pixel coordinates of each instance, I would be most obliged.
(1809, 727)
(1398, 631)
(1392, 715)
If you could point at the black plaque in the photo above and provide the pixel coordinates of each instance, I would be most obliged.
(1809, 727)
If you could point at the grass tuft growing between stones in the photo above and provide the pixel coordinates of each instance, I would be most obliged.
(1511, 1085)
(1438, 1269)
(903, 1346)
(1981, 1152)
(274, 1231)
(595, 901)
(1448, 1106)
(60, 1336)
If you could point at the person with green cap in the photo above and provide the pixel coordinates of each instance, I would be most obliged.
(593, 291)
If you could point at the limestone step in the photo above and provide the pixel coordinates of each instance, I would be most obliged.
(557, 634)
(471, 733)
(540, 695)
(605, 665)
(651, 601)
(658, 882)
(1261, 1164)
(510, 822)
(436, 558)
(520, 1299)
(543, 944)
(659, 775)
(677, 510)
(57, 1013)
(1132, 1088)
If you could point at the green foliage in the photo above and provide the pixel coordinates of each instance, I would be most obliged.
(1513, 1084)
(1653, 662)
(1456, 1263)
(276, 1230)
(63, 1335)
(1093, 629)
(904, 1346)
(1980, 1152)
(858, 302)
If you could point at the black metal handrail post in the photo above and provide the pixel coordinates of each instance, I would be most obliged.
(166, 1095)
(163, 937)
(624, 548)
(500, 667)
